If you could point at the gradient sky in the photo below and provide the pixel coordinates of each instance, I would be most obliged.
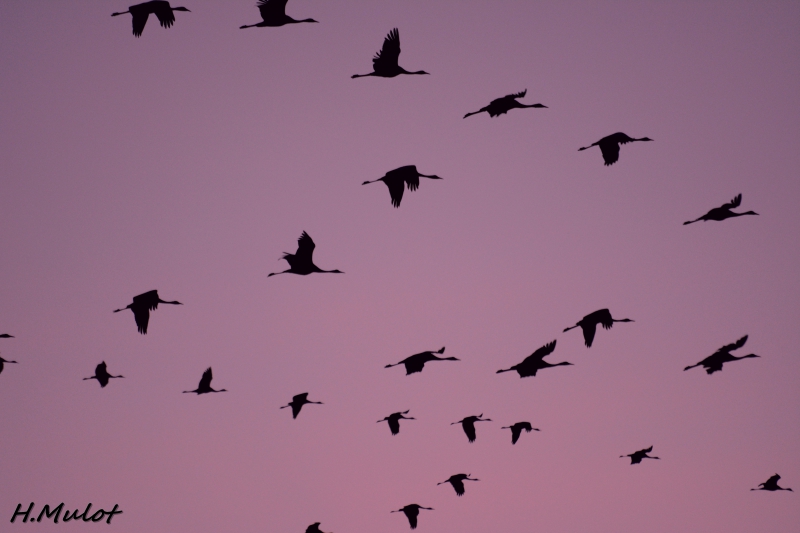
(189, 159)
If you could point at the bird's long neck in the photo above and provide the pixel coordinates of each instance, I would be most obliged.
(734, 358)
(404, 71)
(742, 214)
(621, 320)
(171, 303)
(317, 269)
(432, 176)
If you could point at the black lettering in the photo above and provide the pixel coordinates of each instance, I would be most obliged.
(47, 513)
(25, 514)
(101, 512)
(112, 512)
(76, 516)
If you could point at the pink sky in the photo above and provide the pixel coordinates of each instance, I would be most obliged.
(189, 159)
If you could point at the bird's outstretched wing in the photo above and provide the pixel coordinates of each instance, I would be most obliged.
(271, 9)
(100, 369)
(469, 429)
(773, 480)
(142, 317)
(646, 450)
(394, 425)
(588, 334)
(396, 189)
(147, 300)
(388, 55)
(544, 351)
(164, 14)
(736, 202)
(520, 94)
(139, 19)
(610, 152)
(734, 346)
(516, 431)
(305, 248)
(205, 381)
(458, 485)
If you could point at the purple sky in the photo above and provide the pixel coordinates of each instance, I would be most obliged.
(189, 159)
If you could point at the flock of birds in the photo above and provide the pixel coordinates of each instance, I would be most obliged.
(385, 64)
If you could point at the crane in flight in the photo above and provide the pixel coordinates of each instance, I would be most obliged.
(416, 362)
(609, 146)
(636, 457)
(412, 511)
(535, 362)
(397, 178)
(589, 324)
(722, 212)
(714, 362)
(2, 363)
(101, 375)
(468, 425)
(273, 14)
(516, 430)
(205, 384)
(394, 420)
(6, 336)
(771, 484)
(301, 262)
(457, 481)
(384, 64)
(297, 403)
(501, 106)
(141, 307)
(160, 8)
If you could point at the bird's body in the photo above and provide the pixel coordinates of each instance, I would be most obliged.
(412, 511)
(384, 64)
(297, 403)
(722, 212)
(396, 179)
(516, 430)
(609, 146)
(314, 528)
(501, 106)
(273, 14)
(535, 362)
(589, 324)
(416, 362)
(714, 362)
(301, 262)
(6, 336)
(3, 362)
(141, 307)
(771, 484)
(101, 374)
(468, 425)
(394, 420)
(457, 481)
(636, 457)
(140, 12)
(205, 384)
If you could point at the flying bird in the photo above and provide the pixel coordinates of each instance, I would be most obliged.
(205, 384)
(714, 362)
(160, 8)
(102, 376)
(141, 307)
(273, 13)
(394, 420)
(610, 146)
(314, 528)
(589, 324)
(516, 430)
(636, 457)
(457, 481)
(297, 403)
(771, 484)
(411, 511)
(395, 179)
(722, 212)
(535, 362)
(501, 106)
(2, 363)
(384, 64)
(468, 424)
(6, 336)
(301, 262)
(415, 362)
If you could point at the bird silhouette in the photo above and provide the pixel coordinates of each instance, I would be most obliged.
(102, 376)
(722, 212)
(273, 13)
(771, 484)
(411, 511)
(468, 424)
(160, 8)
(2, 363)
(394, 420)
(384, 64)
(297, 403)
(501, 106)
(457, 481)
(714, 362)
(535, 362)
(636, 457)
(205, 384)
(141, 307)
(301, 262)
(6, 336)
(395, 179)
(314, 528)
(415, 362)
(589, 324)
(610, 146)
(516, 430)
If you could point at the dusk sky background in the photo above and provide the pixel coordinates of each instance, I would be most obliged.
(189, 159)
